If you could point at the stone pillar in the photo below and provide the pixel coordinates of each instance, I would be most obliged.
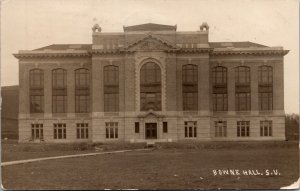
(254, 89)
(231, 90)
(179, 64)
(24, 106)
(278, 87)
(48, 92)
(122, 85)
(97, 86)
(129, 80)
(171, 81)
(71, 92)
(203, 86)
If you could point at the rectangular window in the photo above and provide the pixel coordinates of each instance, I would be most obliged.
(243, 128)
(242, 88)
(111, 88)
(190, 87)
(190, 129)
(111, 129)
(165, 127)
(36, 90)
(82, 130)
(59, 131)
(59, 90)
(137, 127)
(220, 128)
(265, 128)
(219, 89)
(242, 102)
(37, 131)
(265, 88)
(82, 90)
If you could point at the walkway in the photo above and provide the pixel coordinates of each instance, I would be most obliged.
(67, 156)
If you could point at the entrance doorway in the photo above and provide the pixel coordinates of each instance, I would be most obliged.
(151, 130)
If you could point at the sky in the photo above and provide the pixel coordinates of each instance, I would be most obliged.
(30, 24)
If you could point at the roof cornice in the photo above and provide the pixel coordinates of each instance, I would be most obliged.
(250, 52)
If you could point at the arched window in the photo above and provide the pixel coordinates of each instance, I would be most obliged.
(111, 88)
(150, 87)
(59, 90)
(190, 87)
(265, 88)
(36, 79)
(242, 89)
(82, 90)
(219, 79)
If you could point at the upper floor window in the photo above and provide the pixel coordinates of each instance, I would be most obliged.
(219, 80)
(265, 88)
(59, 90)
(111, 88)
(36, 91)
(190, 87)
(150, 87)
(82, 90)
(242, 88)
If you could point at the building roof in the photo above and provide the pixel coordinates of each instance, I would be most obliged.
(66, 47)
(150, 27)
(246, 44)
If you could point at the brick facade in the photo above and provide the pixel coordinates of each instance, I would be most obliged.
(170, 50)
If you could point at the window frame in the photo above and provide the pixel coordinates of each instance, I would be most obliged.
(150, 87)
(82, 130)
(190, 87)
(36, 90)
(82, 90)
(111, 130)
(190, 129)
(59, 90)
(37, 131)
(265, 88)
(242, 88)
(59, 129)
(243, 128)
(220, 128)
(266, 128)
(220, 88)
(111, 88)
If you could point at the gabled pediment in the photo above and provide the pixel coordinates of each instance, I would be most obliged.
(150, 43)
(150, 114)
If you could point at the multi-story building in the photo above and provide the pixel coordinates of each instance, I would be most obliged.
(151, 82)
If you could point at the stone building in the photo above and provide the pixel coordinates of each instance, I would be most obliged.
(151, 82)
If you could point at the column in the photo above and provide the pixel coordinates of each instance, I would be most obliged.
(203, 86)
(23, 90)
(231, 90)
(171, 81)
(70, 92)
(97, 86)
(48, 92)
(278, 87)
(254, 89)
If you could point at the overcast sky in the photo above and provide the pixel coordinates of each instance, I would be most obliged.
(30, 24)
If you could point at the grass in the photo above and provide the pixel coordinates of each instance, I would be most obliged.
(12, 151)
(168, 166)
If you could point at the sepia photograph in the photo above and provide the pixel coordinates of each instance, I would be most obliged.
(149, 94)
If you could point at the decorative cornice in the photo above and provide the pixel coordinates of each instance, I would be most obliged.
(249, 52)
(50, 55)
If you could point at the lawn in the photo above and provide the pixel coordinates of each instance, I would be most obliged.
(168, 166)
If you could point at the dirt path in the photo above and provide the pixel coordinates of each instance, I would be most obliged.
(66, 156)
